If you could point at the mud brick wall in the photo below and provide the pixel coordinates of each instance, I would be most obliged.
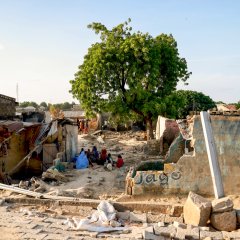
(7, 106)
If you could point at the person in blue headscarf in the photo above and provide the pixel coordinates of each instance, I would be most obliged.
(82, 161)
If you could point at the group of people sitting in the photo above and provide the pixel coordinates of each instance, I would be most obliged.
(88, 157)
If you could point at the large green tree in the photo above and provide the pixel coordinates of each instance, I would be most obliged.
(193, 101)
(129, 72)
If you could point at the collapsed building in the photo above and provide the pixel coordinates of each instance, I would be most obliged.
(29, 147)
(185, 167)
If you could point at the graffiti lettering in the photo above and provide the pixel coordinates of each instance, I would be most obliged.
(163, 178)
(160, 178)
(176, 175)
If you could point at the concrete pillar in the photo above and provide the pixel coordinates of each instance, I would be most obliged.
(212, 155)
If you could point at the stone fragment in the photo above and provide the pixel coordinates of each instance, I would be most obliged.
(135, 217)
(222, 205)
(196, 210)
(226, 221)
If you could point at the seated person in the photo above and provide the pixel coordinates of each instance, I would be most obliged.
(119, 161)
(103, 157)
(109, 159)
(94, 154)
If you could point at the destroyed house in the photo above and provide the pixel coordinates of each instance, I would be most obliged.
(26, 148)
(7, 107)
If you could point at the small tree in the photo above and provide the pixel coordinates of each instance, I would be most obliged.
(193, 101)
(129, 72)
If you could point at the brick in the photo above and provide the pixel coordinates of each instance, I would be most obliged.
(134, 217)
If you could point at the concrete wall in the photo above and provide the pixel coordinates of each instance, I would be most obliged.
(192, 172)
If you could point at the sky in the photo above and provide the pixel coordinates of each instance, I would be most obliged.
(42, 42)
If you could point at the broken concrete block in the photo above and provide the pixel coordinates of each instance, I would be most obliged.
(226, 221)
(123, 215)
(148, 234)
(135, 217)
(179, 225)
(168, 231)
(161, 224)
(187, 233)
(196, 210)
(211, 235)
(222, 205)
(231, 235)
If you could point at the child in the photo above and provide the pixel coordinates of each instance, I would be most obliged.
(119, 161)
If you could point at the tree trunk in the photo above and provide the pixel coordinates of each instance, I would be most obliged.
(149, 129)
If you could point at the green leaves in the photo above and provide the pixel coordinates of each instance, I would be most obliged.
(193, 101)
(130, 72)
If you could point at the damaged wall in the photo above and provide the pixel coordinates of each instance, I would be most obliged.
(192, 172)
(7, 106)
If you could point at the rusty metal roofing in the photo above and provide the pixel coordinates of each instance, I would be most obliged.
(11, 126)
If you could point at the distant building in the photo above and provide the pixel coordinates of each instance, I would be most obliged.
(7, 107)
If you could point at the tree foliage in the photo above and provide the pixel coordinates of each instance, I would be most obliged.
(193, 101)
(129, 72)
(28, 104)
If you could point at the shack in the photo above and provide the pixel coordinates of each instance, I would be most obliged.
(22, 145)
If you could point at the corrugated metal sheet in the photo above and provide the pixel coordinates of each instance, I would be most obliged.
(11, 126)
